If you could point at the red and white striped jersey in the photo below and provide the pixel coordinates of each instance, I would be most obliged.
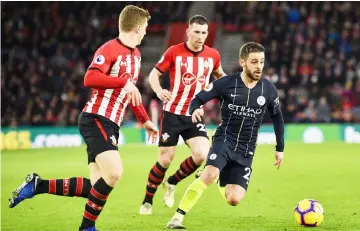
(117, 60)
(189, 73)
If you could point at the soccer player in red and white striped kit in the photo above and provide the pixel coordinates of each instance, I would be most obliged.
(190, 65)
(112, 75)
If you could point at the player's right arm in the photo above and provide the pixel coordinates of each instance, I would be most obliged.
(96, 76)
(213, 90)
(160, 68)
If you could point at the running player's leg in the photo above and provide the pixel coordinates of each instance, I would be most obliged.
(100, 135)
(75, 186)
(236, 182)
(34, 184)
(197, 140)
(216, 161)
(169, 136)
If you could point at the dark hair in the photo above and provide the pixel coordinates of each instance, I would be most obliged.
(250, 47)
(199, 19)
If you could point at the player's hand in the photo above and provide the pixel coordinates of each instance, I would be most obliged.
(152, 131)
(279, 156)
(197, 115)
(133, 93)
(164, 95)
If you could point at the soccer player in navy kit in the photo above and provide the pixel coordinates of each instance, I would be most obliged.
(245, 97)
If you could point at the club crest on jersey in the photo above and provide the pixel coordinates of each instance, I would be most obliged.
(189, 79)
(207, 64)
(261, 100)
(100, 59)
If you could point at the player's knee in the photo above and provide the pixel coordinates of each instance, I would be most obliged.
(94, 178)
(113, 176)
(210, 176)
(199, 156)
(166, 157)
(233, 200)
(199, 152)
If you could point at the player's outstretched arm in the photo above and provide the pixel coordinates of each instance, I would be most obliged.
(210, 92)
(195, 109)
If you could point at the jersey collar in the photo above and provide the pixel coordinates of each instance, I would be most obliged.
(195, 53)
(122, 44)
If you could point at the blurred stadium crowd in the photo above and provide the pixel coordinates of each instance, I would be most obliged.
(312, 50)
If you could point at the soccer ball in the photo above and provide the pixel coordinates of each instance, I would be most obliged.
(309, 212)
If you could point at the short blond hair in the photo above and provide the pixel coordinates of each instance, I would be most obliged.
(132, 16)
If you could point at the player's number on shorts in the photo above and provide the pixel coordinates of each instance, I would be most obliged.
(201, 127)
(247, 175)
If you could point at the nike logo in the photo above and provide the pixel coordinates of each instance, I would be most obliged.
(232, 95)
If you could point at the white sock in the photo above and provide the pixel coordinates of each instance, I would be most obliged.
(179, 216)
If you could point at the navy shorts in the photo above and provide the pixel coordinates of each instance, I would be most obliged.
(235, 168)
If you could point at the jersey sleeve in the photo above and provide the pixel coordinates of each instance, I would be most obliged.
(165, 61)
(102, 60)
(213, 90)
(274, 104)
(217, 60)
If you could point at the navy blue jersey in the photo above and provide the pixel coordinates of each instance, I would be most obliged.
(242, 110)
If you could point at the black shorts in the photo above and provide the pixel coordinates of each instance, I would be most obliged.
(172, 126)
(230, 163)
(100, 134)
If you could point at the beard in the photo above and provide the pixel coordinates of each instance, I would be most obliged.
(252, 76)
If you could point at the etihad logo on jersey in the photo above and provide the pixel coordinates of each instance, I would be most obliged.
(244, 110)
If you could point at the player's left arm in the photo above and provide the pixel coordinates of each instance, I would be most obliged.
(218, 71)
(143, 117)
(279, 127)
(140, 113)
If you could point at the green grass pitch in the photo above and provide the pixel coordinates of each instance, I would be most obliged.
(326, 172)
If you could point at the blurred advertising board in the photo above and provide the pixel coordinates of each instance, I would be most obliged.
(48, 137)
